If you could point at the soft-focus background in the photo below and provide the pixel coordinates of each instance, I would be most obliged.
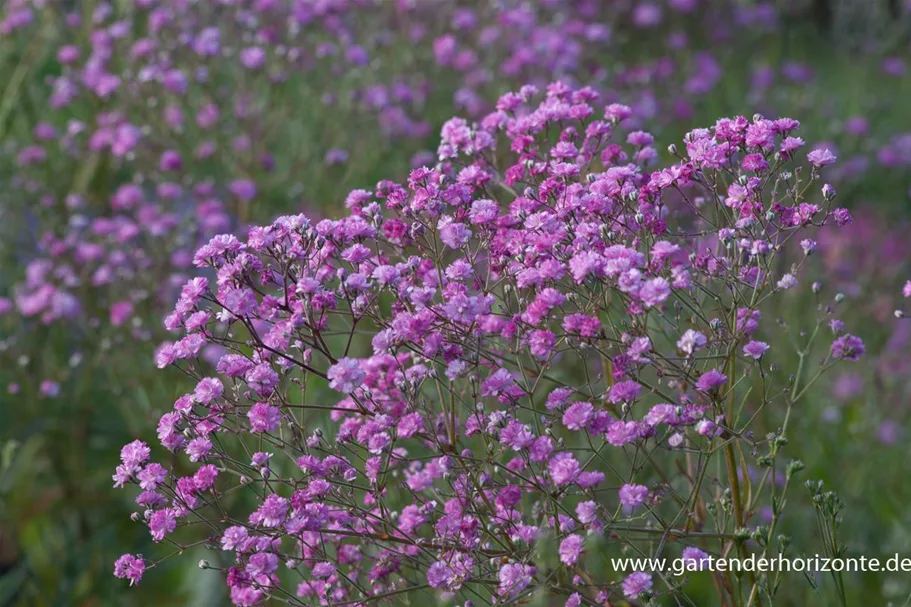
(132, 130)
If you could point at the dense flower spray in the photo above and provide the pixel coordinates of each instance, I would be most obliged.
(134, 131)
(163, 154)
(540, 341)
(139, 112)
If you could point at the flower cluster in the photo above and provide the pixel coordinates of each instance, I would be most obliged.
(545, 339)
(141, 114)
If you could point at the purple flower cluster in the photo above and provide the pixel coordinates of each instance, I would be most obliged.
(164, 154)
(497, 330)
(533, 341)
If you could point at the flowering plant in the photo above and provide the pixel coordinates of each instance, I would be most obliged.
(539, 342)
(134, 131)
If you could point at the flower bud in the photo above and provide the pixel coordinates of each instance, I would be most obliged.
(794, 467)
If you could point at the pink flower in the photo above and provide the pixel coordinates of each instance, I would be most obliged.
(243, 189)
(694, 557)
(819, 158)
(233, 537)
(710, 380)
(262, 379)
(263, 417)
(636, 584)
(578, 415)
(134, 454)
(151, 476)
(563, 468)
(121, 312)
(633, 495)
(129, 567)
(161, 523)
(513, 578)
(253, 57)
(208, 389)
(691, 341)
(346, 375)
(654, 292)
(848, 347)
(541, 344)
(571, 549)
(755, 349)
